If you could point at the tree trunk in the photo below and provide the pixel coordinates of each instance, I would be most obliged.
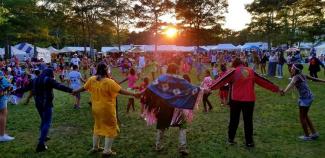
(118, 33)
(156, 33)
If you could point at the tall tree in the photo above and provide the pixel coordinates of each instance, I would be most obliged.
(121, 14)
(200, 14)
(149, 12)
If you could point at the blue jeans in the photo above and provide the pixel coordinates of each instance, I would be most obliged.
(46, 119)
(271, 68)
(280, 69)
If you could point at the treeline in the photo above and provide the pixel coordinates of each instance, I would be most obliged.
(97, 23)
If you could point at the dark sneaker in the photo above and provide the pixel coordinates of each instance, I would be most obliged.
(183, 151)
(231, 142)
(95, 150)
(109, 154)
(47, 139)
(41, 148)
(250, 145)
(314, 136)
(159, 148)
(77, 107)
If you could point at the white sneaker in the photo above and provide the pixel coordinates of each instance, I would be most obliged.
(6, 138)
(305, 138)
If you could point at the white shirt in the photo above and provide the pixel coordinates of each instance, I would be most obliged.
(142, 61)
(75, 61)
(213, 58)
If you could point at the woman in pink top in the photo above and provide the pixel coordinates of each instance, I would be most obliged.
(205, 84)
(132, 79)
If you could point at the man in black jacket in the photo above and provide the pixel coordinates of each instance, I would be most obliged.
(314, 66)
(42, 90)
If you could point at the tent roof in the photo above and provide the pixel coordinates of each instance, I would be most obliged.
(225, 47)
(52, 49)
(14, 51)
(74, 49)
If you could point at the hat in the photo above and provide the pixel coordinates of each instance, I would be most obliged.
(75, 54)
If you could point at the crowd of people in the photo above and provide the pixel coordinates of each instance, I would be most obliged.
(167, 95)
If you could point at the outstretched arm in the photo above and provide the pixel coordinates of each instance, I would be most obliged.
(290, 85)
(228, 77)
(123, 81)
(315, 79)
(82, 89)
(59, 86)
(124, 92)
(263, 82)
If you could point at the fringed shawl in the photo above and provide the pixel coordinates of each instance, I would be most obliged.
(170, 100)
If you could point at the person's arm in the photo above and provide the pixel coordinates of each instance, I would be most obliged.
(123, 81)
(124, 92)
(82, 89)
(226, 78)
(263, 82)
(24, 89)
(315, 79)
(290, 85)
(59, 86)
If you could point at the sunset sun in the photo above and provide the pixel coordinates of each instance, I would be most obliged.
(171, 32)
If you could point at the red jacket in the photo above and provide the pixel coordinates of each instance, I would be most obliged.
(242, 80)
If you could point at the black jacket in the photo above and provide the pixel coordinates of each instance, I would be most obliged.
(42, 88)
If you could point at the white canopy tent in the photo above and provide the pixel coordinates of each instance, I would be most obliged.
(43, 53)
(320, 49)
(228, 47)
(14, 51)
(74, 49)
(260, 45)
(52, 49)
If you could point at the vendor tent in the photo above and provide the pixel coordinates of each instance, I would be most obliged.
(260, 45)
(14, 51)
(52, 50)
(74, 49)
(319, 49)
(43, 53)
(25, 47)
(228, 47)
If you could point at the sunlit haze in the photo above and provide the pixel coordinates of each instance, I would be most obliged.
(237, 16)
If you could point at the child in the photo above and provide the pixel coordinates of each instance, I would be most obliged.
(74, 81)
(5, 86)
(62, 73)
(205, 85)
(215, 71)
(143, 86)
(305, 100)
(132, 79)
(93, 70)
(223, 92)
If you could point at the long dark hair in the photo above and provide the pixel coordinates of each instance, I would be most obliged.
(237, 62)
(101, 71)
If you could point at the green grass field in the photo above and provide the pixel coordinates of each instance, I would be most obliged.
(276, 128)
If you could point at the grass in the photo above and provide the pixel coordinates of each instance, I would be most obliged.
(276, 127)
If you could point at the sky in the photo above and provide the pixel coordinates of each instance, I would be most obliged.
(237, 16)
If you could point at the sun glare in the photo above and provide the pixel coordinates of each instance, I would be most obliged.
(171, 32)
